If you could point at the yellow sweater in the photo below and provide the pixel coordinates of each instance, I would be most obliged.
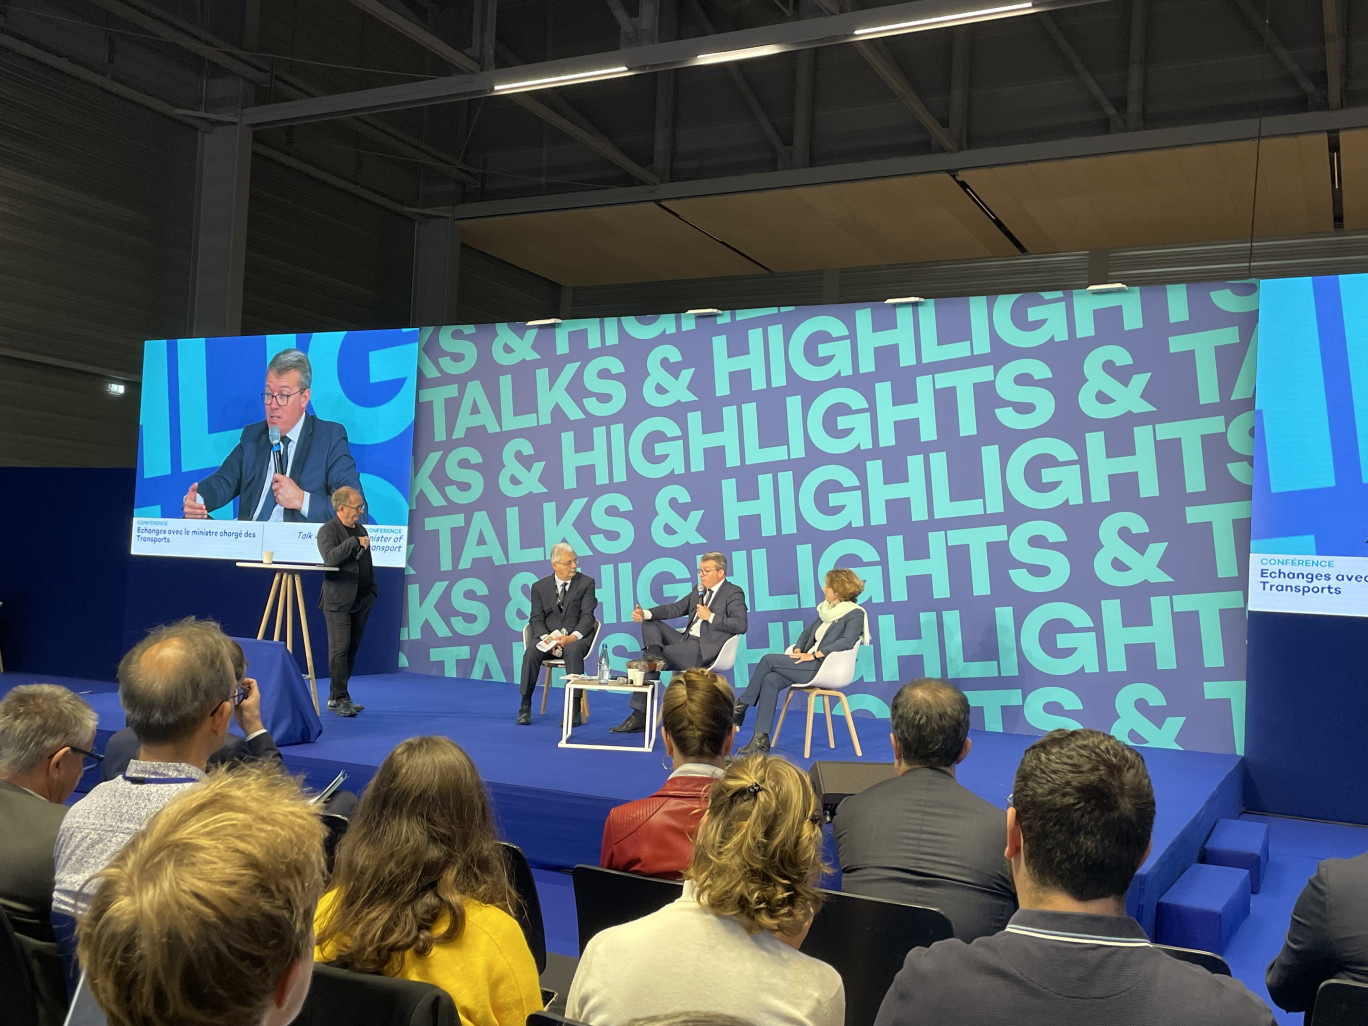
(488, 969)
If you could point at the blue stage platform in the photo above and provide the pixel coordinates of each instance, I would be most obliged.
(552, 801)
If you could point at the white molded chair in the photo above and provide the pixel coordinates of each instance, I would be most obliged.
(834, 675)
(553, 663)
(726, 658)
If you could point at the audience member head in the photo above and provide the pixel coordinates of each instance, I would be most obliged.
(696, 718)
(1080, 821)
(176, 687)
(238, 658)
(757, 855)
(421, 841)
(842, 585)
(205, 918)
(930, 723)
(46, 733)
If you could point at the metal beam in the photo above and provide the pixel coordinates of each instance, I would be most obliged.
(1135, 76)
(804, 81)
(878, 57)
(328, 178)
(755, 42)
(225, 55)
(1081, 70)
(662, 149)
(1334, 53)
(781, 151)
(568, 121)
(1281, 52)
(1310, 122)
(958, 126)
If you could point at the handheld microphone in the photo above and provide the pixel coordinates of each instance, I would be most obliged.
(277, 453)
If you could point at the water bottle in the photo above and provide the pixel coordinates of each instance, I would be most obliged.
(603, 665)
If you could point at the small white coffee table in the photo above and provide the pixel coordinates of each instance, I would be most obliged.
(574, 683)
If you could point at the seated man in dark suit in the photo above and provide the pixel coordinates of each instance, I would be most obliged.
(1326, 939)
(314, 458)
(561, 626)
(255, 745)
(716, 612)
(46, 734)
(1077, 830)
(921, 837)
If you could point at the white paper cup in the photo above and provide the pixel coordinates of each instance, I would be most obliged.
(268, 555)
(636, 676)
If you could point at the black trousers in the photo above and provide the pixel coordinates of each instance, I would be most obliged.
(682, 651)
(573, 654)
(345, 627)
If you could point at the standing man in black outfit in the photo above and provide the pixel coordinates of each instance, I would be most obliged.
(348, 592)
(562, 624)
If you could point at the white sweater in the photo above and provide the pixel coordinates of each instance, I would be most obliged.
(685, 958)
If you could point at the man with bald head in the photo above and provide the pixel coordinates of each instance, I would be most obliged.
(177, 689)
(348, 592)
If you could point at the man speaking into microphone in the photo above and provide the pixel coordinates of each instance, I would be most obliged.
(286, 467)
(716, 612)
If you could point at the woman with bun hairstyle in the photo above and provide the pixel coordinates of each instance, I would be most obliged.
(729, 943)
(654, 835)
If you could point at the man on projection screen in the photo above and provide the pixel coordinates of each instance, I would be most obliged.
(716, 612)
(285, 467)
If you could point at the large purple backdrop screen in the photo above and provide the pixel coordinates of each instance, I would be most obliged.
(1047, 494)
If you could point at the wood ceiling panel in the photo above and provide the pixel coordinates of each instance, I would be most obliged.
(1185, 195)
(1354, 177)
(605, 245)
(856, 224)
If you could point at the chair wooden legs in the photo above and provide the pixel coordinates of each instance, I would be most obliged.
(826, 696)
(546, 691)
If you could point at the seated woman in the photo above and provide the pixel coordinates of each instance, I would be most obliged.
(421, 890)
(654, 836)
(840, 624)
(729, 942)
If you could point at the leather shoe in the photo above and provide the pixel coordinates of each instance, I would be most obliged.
(332, 704)
(739, 711)
(758, 745)
(345, 707)
(635, 723)
(525, 716)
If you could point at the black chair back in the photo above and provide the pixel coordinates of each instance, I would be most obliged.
(866, 940)
(529, 911)
(1212, 963)
(16, 982)
(545, 1018)
(609, 897)
(1340, 1003)
(337, 997)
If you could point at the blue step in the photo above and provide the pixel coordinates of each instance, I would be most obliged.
(1240, 844)
(1204, 908)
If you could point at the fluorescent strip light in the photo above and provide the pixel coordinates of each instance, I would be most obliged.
(906, 299)
(555, 80)
(543, 321)
(908, 26)
(1114, 286)
(703, 311)
(721, 56)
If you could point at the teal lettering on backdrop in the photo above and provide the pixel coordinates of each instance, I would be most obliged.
(1047, 494)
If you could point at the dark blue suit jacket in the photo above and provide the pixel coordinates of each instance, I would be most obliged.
(581, 600)
(322, 463)
(729, 617)
(841, 635)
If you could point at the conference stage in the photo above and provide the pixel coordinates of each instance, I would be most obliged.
(552, 801)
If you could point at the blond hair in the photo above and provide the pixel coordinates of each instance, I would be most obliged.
(757, 855)
(697, 713)
(199, 917)
(847, 584)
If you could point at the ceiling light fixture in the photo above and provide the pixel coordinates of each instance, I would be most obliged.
(704, 311)
(540, 321)
(597, 75)
(1114, 286)
(941, 20)
(906, 299)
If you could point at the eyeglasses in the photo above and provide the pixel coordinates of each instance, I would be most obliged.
(92, 759)
(567, 562)
(360, 509)
(239, 693)
(278, 398)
